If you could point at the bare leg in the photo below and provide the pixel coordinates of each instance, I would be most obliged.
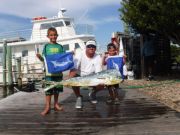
(76, 91)
(57, 107)
(47, 106)
(98, 88)
(116, 94)
(111, 93)
(115, 90)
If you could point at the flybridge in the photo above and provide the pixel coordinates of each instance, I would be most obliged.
(63, 25)
(60, 15)
(40, 24)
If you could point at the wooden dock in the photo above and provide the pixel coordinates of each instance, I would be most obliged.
(137, 114)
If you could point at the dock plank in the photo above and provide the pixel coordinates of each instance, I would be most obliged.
(137, 114)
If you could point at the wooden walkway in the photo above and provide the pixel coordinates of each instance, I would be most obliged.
(136, 115)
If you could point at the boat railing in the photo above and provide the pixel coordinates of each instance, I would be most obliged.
(29, 69)
(25, 34)
(39, 34)
(31, 64)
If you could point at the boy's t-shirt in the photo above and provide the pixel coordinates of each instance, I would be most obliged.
(50, 49)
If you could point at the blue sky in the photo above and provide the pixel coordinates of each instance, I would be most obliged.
(102, 15)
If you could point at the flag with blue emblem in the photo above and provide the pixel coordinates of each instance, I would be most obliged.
(56, 63)
(115, 62)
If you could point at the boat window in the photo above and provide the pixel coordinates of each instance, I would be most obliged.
(67, 23)
(54, 24)
(77, 45)
(46, 25)
(1, 57)
(24, 53)
(57, 24)
(66, 47)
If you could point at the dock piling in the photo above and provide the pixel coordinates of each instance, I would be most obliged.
(19, 80)
(9, 66)
(4, 61)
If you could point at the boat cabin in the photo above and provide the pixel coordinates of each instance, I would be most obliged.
(68, 37)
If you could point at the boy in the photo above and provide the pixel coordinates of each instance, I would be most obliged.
(113, 61)
(52, 48)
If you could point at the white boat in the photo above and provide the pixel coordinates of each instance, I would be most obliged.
(26, 49)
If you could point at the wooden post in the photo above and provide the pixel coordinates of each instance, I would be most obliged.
(14, 70)
(4, 91)
(19, 72)
(9, 62)
(4, 62)
(9, 66)
(142, 57)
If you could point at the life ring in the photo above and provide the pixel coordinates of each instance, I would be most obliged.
(39, 18)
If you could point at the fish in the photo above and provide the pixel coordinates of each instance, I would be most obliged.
(105, 77)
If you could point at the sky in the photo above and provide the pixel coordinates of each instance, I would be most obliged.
(102, 15)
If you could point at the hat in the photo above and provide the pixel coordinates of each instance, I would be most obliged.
(91, 42)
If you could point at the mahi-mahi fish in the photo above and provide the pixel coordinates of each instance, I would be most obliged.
(106, 77)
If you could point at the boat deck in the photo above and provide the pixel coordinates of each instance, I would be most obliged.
(137, 114)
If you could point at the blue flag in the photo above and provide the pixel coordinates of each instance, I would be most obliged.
(56, 63)
(115, 62)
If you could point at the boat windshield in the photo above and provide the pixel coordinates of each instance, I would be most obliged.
(53, 24)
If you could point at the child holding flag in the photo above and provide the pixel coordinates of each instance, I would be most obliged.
(49, 49)
(113, 61)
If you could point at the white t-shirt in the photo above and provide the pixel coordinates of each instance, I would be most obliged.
(87, 65)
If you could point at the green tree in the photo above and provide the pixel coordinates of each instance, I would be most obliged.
(153, 16)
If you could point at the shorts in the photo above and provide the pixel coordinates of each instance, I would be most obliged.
(57, 89)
